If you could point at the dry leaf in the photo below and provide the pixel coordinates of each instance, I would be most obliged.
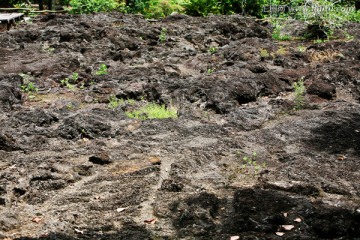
(120, 209)
(234, 238)
(297, 220)
(280, 233)
(36, 220)
(150, 221)
(79, 231)
(341, 158)
(287, 227)
(285, 214)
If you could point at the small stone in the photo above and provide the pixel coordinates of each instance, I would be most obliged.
(287, 227)
(322, 89)
(101, 159)
(88, 99)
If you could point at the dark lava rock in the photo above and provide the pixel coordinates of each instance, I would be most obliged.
(9, 91)
(322, 89)
(8, 143)
(258, 68)
(83, 170)
(171, 186)
(101, 159)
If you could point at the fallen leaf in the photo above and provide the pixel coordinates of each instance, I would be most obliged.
(285, 214)
(79, 231)
(287, 227)
(120, 209)
(297, 220)
(341, 158)
(150, 221)
(280, 233)
(36, 220)
(234, 238)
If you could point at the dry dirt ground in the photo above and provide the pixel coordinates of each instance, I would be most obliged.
(71, 167)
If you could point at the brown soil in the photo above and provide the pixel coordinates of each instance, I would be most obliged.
(73, 168)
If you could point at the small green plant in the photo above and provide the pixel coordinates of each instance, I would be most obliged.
(210, 71)
(152, 111)
(281, 51)
(114, 102)
(70, 82)
(103, 70)
(264, 53)
(29, 88)
(299, 89)
(301, 48)
(348, 37)
(162, 36)
(277, 35)
(319, 41)
(213, 50)
(249, 164)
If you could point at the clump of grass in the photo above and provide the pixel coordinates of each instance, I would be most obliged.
(299, 89)
(152, 111)
(301, 48)
(281, 51)
(103, 70)
(162, 36)
(114, 102)
(264, 53)
(277, 35)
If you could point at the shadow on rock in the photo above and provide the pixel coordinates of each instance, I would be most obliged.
(129, 232)
(340, 135)
(261, 213)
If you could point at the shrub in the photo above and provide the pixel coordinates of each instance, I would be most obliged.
(155, 8)
(202, 7)
(92, 6)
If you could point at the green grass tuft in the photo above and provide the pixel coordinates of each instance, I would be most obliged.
(152, 111)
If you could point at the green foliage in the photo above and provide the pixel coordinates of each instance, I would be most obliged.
(29, 87)
(92, 6)
(70, 82)
(202, 7)
(103, 70)
(249, 164)
(114, 102)
(155, 8)
(301, 48)
(152, 111)
(213, 50)
(162, 36)
(210, 71)
(299, 89)
(276, 34)
(264, 53)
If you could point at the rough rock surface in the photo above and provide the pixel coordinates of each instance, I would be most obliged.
(71, 167)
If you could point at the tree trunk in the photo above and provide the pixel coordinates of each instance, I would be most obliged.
(357, 5)
(41, 5)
